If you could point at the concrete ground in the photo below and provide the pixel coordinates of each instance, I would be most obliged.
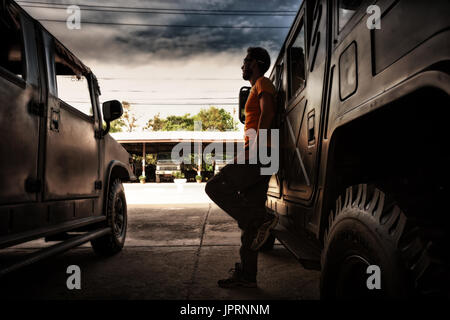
(178, 245)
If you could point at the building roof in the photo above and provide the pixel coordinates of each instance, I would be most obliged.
(178, 136)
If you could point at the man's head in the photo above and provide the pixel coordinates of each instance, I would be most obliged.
(256, 63)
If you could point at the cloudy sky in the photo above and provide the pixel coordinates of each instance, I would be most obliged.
(169, 57)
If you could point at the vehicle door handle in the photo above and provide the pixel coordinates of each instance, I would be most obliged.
(54, 120)
(311, 128)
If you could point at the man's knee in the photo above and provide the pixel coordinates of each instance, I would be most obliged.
(212, 187)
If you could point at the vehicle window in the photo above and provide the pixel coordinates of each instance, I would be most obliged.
(296, 54)
(73, 87)
(164, 156)
(347, 9)
(11, 54)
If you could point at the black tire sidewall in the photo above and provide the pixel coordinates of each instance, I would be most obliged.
(116, 192)
(357, 232)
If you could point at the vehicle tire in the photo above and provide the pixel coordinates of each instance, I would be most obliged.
(157, 178)
(369, 228)
(268, 245)
(116, 219)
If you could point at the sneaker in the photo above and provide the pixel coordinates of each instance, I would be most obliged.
(264, 232)
(236, 279)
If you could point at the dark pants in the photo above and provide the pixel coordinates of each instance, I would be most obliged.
(240, 190)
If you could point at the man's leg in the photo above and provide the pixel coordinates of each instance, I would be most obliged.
(234, 188)
(241, 192)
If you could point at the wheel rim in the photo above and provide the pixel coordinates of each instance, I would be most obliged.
(352, 278)
(119, 217)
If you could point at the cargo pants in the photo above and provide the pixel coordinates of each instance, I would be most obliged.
(240, 190)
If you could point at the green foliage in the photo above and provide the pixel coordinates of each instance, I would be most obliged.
(155, 124)
(216, 119)
(178, 175)
(128, 117)
(117, 125)
(127, 121)
(198, 177)
(149, 159)
(213, 119)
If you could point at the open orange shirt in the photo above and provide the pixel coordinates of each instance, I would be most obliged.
(252, 107)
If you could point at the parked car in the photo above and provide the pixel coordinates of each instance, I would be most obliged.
(165, 167)
(60, 171)
(363, 116)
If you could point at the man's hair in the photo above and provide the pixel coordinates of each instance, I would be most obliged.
(261, 56)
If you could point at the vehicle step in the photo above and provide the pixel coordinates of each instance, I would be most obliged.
(56, 249)
(300, 246)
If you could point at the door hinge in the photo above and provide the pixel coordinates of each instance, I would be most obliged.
(98, 185)
(33, 185)
(36, 108)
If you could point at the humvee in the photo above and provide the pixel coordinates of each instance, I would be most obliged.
(363, 182)
(165, 167)
(60, 171)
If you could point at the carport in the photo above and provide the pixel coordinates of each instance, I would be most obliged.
(142, 143)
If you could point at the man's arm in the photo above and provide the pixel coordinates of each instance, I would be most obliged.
(267, 106)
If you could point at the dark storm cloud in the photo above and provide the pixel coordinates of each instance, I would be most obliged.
(120, 43)
(183, 42)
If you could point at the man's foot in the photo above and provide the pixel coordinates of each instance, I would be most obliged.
(236, 279)
(264, 232)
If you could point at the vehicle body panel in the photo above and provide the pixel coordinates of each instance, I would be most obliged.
(55, 161)
(355, 72)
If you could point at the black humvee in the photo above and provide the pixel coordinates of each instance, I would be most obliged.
(364, 167)
(60, 172)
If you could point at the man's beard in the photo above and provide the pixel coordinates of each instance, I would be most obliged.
(247, 75)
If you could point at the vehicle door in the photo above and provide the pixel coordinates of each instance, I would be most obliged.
(306, 60)
(19, 109)
(72, 150)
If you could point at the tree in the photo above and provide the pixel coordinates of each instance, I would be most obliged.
(177, 123)
(155, 124)
(117, 125)
(212, 119)
(216, 119)
(128, 117)
(127, 121)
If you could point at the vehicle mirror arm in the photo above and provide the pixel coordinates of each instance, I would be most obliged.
(106, 130)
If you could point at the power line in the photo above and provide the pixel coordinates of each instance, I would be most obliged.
(175, 105)
(163, 9)
(171, 79)
(162, 79)
(187, 12)
(167, 25)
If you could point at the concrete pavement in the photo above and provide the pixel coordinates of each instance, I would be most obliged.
(174, 250)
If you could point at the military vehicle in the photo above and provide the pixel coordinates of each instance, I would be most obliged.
(165, 167)
(363, 109)
(61, 173)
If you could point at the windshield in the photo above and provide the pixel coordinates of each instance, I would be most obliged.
(164, 156)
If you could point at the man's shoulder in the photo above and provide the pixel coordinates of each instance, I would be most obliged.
(265, 84)
(264, 80)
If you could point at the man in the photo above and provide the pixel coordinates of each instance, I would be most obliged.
(240, 189)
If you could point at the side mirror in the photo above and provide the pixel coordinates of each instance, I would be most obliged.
(112, 110)
(243, 96)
